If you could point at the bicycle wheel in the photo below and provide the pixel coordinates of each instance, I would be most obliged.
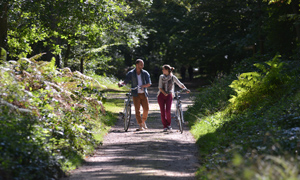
(179, 119)
(127, 116)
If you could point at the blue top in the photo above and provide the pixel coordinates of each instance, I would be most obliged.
(131, 77)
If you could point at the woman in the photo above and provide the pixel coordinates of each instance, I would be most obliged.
(166, 94)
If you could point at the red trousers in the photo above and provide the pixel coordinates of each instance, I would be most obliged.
(165, 103)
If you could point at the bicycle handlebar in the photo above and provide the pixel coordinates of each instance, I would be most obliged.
(138, 87)
(181, 90)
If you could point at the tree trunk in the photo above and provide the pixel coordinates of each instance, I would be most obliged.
(260, 24)
(3, 25)
(81, 64)
(295, 6)
(56, 40)
(67, 55)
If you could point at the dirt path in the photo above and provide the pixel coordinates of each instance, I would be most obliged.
(150, 154)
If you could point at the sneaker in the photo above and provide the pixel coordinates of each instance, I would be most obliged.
(140, 129)
(165, 129)
(145, 126)
(170, 128)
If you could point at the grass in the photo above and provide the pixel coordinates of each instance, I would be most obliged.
(110, 83)
(261, 142)
(112, 106)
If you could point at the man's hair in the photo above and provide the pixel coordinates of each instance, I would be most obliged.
(138, 61)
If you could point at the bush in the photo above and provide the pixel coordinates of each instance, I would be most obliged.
(254, 133)
(21, 154)
(47, 118)
(254, 87)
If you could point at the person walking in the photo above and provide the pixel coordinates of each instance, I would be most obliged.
(166, 94)
(139, 77)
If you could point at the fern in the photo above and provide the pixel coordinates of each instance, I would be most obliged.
(254, 87)
(36, 102)
(36, 57)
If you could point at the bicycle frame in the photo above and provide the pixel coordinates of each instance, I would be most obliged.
(179, 107)
(127, 109)
(179, 112)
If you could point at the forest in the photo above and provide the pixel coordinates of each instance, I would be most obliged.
(57, 59)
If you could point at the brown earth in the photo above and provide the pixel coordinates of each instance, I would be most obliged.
(149, 154)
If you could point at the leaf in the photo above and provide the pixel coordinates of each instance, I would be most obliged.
(2, 55)
(34, 58)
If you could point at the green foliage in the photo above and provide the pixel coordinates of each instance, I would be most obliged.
(254, 87)
(58, 119)
(258, 141)
(262, 167)
(2, 55)
(20, 43)
(214, 35)
(206, 103)
(73, 31)
(21, 154)
(274, 1)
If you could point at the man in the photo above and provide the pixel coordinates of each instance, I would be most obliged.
(141, 78)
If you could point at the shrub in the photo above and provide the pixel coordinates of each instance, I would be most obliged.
(47, 118)
(264, 85)
(260, 123)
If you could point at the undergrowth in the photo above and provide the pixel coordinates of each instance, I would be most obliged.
(247, 126)
(50, 119)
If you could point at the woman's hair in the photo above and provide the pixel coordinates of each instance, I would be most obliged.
(168, 67)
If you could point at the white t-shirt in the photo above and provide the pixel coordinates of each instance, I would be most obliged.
(140, 83)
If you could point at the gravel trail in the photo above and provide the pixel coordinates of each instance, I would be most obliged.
(150, 154)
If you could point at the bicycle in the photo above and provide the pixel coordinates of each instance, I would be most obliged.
(179, 113)
(127, 109)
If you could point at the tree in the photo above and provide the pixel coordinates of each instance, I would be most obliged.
(3, 22)
(63, 28)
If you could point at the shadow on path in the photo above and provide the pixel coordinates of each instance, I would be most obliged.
(149, 154)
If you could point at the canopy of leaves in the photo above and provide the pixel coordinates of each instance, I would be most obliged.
(67, 29)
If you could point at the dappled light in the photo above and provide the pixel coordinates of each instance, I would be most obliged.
(151, 153)
(62, 108)
(256, 125)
